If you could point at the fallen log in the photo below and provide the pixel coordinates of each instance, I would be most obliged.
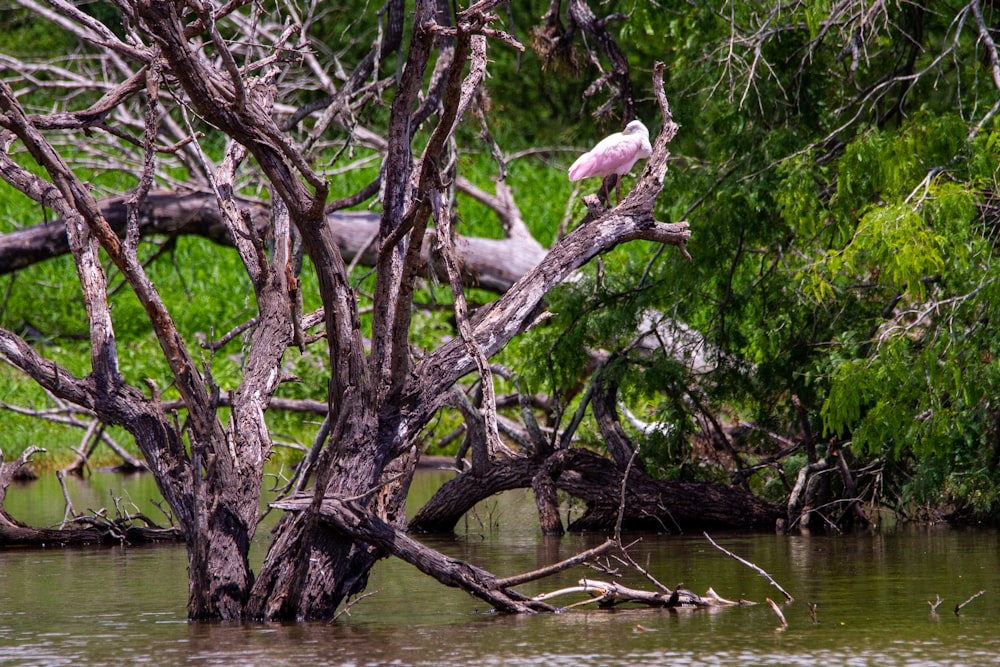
(130, 529)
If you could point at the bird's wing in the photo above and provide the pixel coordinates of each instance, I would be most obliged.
(607, 157)
(618, 157)
(584, 167)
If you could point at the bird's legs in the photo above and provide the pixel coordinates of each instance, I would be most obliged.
(618, 189)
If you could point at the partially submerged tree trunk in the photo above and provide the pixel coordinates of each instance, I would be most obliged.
(670, 506)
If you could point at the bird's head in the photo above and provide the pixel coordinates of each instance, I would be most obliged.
(635, 127)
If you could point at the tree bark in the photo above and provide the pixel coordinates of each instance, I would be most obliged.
(546, 500)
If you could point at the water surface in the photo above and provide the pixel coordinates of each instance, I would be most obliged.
(122, 605)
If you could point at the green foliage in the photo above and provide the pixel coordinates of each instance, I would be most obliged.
(843, 251)
(23, 34)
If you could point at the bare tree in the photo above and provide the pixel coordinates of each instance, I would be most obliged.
(175, 75)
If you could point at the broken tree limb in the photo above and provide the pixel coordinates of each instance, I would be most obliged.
(10, 469)
(351, 520)
(85, 530)
(777, 611)
(608, 594)
(579, 558)
(70, 511)
(753, 567)
(627, 558)
(958, 607)
(98, 530)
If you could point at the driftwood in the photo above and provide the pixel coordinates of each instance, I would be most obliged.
(97, 529)
(777, 612)
(609, 594)
(958, 607)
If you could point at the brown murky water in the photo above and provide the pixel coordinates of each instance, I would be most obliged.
(126, 606)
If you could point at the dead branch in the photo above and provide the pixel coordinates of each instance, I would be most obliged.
(70, 512)
(10, 469)
(798, 498)
(94, 530)
(347, 518)
(624, 495)
(753, 567)
(937, 603)
(626, 558)
(609, 594)
(618, 80)
(958, 607)
(549, 570)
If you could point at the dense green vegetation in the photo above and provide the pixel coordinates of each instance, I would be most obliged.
(837, 163)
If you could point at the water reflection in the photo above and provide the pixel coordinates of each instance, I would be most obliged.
(127, 606)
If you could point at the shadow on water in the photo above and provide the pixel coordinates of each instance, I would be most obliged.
(115, 606)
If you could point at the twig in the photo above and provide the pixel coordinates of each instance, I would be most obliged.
(70, 511)
(752, 567)
(958, 607)
(812, 612)
(643, 571)
(519, 579)
(621, 503)
(935, 605)
(347, 607)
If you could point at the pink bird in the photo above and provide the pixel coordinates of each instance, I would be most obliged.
(615, 154)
